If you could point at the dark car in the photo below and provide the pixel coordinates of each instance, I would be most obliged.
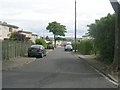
(36, 51)
(68, 48)
(50, 46)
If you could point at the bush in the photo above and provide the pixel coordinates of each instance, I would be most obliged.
(85, 47)
(41, 42)
(103, 32)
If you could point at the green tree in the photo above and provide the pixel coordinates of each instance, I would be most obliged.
(41, 42)
(57, 29)
(103, 32)
(13, 36)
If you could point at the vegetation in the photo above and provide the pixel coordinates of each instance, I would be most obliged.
(41, 42)
(103, 32)
(85, 47)
(56, 29)
(15, 36)
(103, 43)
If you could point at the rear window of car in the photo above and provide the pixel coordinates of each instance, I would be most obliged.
(69, 46)
(36, 46)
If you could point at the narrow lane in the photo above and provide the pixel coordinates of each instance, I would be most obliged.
(59, 69)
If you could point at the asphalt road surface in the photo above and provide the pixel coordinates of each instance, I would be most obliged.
(59, 69)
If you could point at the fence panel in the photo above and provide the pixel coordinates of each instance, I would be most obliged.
(12, 49)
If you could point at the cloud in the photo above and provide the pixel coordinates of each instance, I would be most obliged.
(34, 15)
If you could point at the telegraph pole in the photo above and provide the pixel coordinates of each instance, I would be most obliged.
(116, 6)
(75, 28)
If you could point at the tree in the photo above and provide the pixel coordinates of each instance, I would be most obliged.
(116, 63)
(103, 32)
(40, 41)
(13, 36)
(56, 29)
(16, 36)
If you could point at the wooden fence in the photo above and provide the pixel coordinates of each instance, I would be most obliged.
(12, 49)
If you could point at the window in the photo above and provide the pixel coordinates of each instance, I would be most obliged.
(10, 29)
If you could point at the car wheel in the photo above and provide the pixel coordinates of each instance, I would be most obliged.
(29, 55)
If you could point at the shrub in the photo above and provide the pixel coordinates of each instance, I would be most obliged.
(103, 32)
(85, 47)
(41, 42)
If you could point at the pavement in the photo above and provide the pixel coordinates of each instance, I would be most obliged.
(16, 62)
(99, 67)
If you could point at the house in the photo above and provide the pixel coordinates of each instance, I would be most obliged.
(6, 30)
(34, 37)
(86, 37)
(27, 34)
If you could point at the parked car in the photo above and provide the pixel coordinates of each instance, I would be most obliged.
(36, 51)
(50, 46)
(68, 48)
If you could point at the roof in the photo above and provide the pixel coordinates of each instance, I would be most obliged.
(5, 24)
(34, 34)
(25, 32)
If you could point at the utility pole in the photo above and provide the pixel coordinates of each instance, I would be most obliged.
(116, 6)
(75, 28)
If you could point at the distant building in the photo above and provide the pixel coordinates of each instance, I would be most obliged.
(86, 37)
(6, 30)
(34, 37)
(27, 34)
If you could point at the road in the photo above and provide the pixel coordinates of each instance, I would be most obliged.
(59, 69)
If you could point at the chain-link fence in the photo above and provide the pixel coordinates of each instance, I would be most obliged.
(12, 49)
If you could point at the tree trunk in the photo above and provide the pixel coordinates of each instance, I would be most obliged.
(54, 40)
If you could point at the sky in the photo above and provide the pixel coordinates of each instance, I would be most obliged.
(34, 15)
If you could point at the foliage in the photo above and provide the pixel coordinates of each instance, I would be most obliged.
(56, 29)
(41, 42)
(103, 32)
(85, 47)
(15, 36)
(30, 41)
